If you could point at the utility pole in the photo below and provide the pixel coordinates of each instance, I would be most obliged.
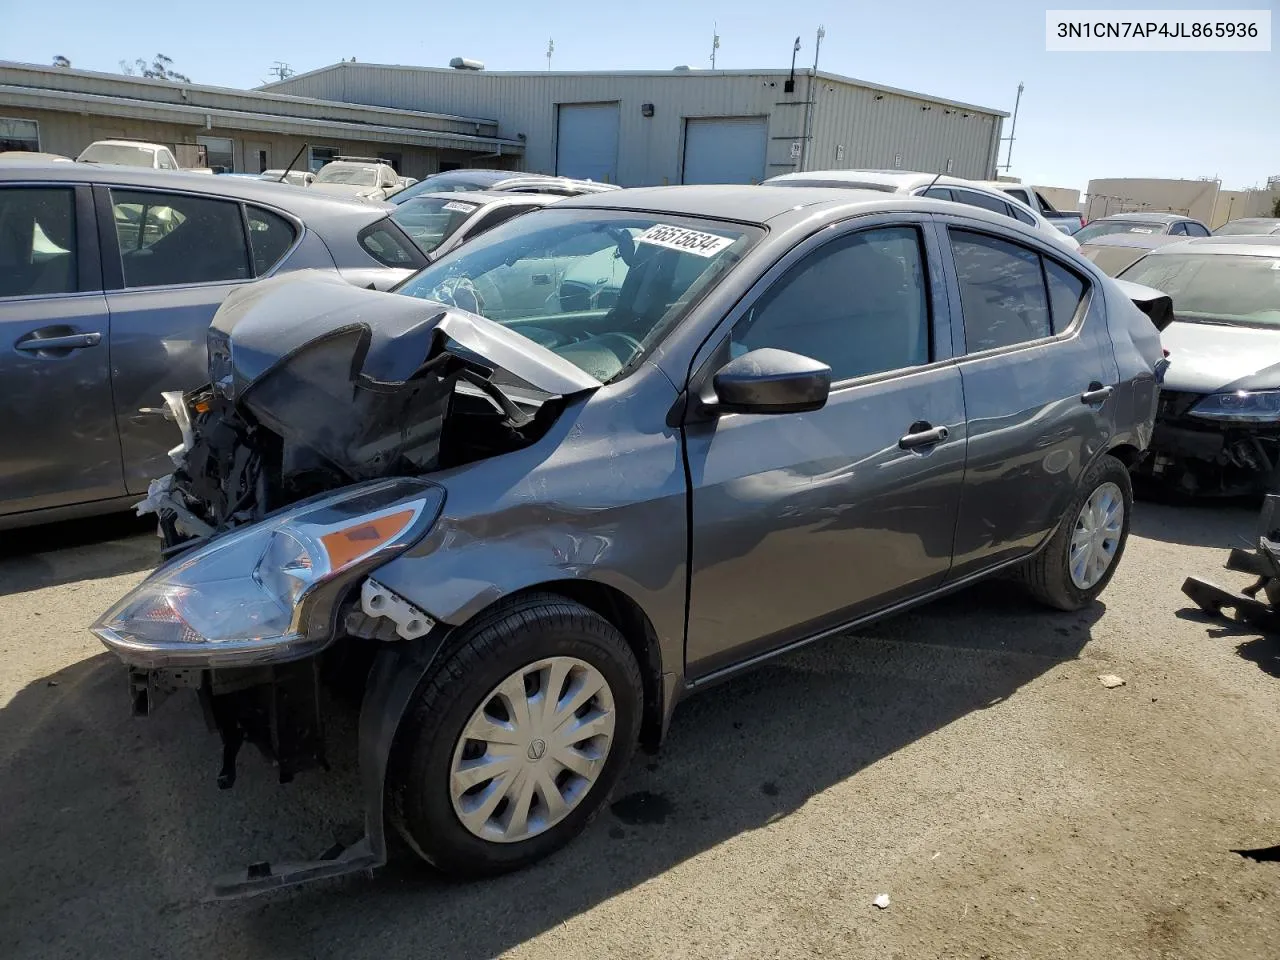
(809, 94)
(551, 48)
(281, 70)
(1013, 128)
(715, 44)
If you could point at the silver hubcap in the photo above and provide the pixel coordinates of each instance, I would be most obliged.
(1097, 535)
(532, 750)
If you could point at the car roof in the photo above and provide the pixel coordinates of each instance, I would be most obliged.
(301, 203)
(129, 143)
(763, 204)
(490, 197)
(1147, 217)
(1242, 245)
(898, 179)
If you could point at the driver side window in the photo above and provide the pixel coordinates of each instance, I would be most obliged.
(857, 304)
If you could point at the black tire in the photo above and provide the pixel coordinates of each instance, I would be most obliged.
(495, 645)
(1047, 576)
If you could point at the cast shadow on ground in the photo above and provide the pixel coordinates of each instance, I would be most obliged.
(115, 825)
(86, 549)
(1198, 523)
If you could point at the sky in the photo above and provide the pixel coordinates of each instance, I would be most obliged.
(1083, 115)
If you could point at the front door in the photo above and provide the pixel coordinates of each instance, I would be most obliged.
(179, 256)
(257, 156)
(1038, 370)
(802, 522)
(57, 435)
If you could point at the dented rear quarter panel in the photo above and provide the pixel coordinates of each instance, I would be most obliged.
(600, 497)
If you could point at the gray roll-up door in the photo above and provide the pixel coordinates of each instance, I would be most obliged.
(587, 141)
(725, 149)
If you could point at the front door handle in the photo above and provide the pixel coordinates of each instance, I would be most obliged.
(1096, 393)
(72, 341)
(923, 435)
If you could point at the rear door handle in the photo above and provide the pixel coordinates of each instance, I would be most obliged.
(72, 341)
(1096, 393)
(924, 436)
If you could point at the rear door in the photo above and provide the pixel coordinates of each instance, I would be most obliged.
(1038, 370)
(58, 441)
(170, 259)
(801, 522)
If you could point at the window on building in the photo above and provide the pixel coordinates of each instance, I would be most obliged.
(270, 237)
(857, 304)
(177, 238)
(19, 135)
(37, 241)
(320, 156)
(221, 153)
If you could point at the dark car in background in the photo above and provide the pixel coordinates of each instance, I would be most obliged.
(1218, 430)
(109, 277)
(507, 181)
(1149, 224)
(1249, 226)
(1116, 252)
(546, 518)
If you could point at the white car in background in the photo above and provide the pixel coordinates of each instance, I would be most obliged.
(298, 178)
(928, 185)
(129, 153)
(365, 178)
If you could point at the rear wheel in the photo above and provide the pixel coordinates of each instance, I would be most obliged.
(517, 738)
(1079, 561)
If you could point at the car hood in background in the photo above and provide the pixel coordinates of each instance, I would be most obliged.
(1209, 358)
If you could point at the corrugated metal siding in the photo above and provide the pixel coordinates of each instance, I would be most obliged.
(873, 130)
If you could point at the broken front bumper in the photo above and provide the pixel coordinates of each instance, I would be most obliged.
(1210, 457)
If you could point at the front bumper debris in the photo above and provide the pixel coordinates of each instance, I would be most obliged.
(1258, 603)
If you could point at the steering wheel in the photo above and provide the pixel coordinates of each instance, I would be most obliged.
(461, 293)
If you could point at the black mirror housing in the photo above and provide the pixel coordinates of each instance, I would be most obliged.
(770, 381)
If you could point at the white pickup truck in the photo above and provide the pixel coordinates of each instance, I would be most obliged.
(129, 153)
(1067, 222)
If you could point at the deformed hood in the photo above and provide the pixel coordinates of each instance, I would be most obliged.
(1211, 357)
(260, 325)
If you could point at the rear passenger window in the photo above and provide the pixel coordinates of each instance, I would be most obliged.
(975, 199)
(1011, 294)
(178, 238)
(1066, 293)
(939, 193)
(385, 243)
(1195, 230)
(858, 304)
(270, 237)
(37, 241)
(1022, 215)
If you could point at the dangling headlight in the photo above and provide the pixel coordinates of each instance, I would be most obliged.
(266, 592)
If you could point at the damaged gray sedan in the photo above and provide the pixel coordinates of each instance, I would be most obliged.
(604, 455)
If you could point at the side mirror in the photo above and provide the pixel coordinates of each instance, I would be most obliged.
(770, 381)
(1156, 305)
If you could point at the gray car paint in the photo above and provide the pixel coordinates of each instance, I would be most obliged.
(601, 497)
(75, 442)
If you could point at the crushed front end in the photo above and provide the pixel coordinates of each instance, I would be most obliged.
(301, 471)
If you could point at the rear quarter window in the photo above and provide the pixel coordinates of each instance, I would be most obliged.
(388, 245)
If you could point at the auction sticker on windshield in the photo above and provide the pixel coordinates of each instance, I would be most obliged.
(684, 239)
(457, 207)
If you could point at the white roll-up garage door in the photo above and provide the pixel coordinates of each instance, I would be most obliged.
(725, 149)
(587, 141)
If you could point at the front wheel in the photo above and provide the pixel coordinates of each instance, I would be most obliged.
(1078, 562)
(516, 738)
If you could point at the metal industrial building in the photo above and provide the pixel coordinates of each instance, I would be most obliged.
(62, 111)
(684, 126)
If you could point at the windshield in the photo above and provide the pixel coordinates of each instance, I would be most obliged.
(598, 287)
(430, 220)
(1240, 228)
(1112, 260)
(120, 154)
(1219, 288)
(452, 182)
(1101, 228)
(357, 176)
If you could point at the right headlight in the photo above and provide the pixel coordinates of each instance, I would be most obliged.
(265, 593)
(1241, 406)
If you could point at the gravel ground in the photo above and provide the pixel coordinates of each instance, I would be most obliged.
(965, 760)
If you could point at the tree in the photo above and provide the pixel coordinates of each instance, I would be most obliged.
(61, 61)
(160, 68)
